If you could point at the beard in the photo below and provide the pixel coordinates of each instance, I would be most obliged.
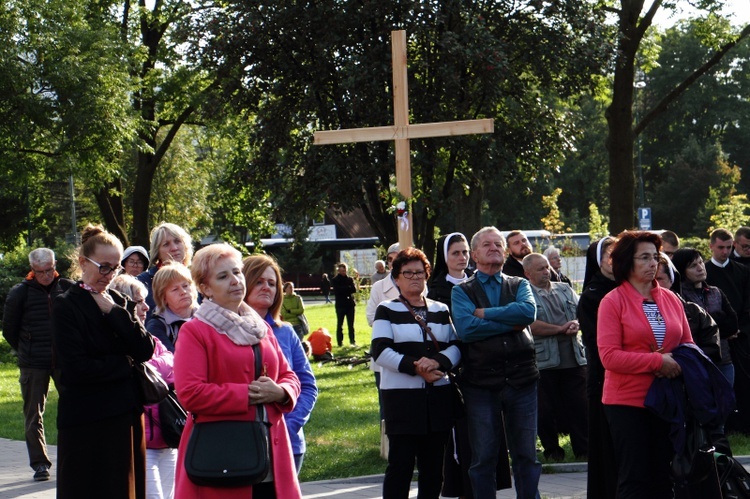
(525, 250)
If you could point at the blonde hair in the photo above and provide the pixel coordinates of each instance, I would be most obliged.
(160, 233)
(94, 235)
(168, 273)
(253, 267)
(205, 259)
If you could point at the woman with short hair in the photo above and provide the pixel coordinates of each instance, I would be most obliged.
(215, 374)
(415, 344)
(639, 324)
(176, 298)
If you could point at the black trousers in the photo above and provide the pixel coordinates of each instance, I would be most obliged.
(643, 452)
(563, 406)
(403, 450)
(345, 310)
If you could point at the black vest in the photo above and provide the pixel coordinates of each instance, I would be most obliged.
(504, 358)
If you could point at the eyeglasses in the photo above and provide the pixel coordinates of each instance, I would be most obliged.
(745, 247)
(647, 258)
(137, 262)
(49, 272)
(105, 269)
(410, 274)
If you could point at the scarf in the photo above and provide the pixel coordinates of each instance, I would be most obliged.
(245, 328)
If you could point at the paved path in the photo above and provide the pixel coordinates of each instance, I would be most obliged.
(16, 481)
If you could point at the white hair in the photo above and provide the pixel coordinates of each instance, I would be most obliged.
(40, 256)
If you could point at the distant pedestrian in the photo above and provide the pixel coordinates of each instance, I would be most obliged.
(380, 272)
(344, 290)
(325, 287)
(28, 329)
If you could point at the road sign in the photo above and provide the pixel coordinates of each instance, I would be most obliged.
(644, 218)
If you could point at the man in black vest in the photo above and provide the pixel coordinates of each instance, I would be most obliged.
(27, 326)
(492, 312)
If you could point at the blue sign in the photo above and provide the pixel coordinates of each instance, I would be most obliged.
(644, 218)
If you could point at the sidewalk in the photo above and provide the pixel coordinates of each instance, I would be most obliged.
(16, 481)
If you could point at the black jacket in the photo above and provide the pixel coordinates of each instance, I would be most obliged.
(95, 352)
(27, 324)
(343, 289)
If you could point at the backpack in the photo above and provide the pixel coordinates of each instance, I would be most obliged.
(733, 477)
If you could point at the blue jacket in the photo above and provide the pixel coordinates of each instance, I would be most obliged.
(701, 394)
(292, 348)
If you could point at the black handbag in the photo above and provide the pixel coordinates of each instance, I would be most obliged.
(172, 419)
(152, 386)
(230, 453)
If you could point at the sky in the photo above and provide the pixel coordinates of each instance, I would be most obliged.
(738, 9)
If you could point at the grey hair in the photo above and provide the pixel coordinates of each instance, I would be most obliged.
(40, 256)
(481, 232)
(551, 249)
(529, 260)
(127, 285)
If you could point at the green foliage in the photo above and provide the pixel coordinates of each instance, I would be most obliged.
(724, 207)
(552, 221)
(598, 225)
(333, 71)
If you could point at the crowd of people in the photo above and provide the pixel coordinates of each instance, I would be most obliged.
(475, 358)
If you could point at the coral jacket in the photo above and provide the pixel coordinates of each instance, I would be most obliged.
(212, 375)
(626, 342)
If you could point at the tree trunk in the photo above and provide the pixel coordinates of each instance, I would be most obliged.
(109, 200)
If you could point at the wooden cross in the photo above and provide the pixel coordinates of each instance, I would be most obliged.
(401, 131)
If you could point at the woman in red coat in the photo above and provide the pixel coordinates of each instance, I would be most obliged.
(215, 373)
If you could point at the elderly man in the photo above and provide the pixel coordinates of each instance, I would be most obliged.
(28, 329)
(561, 360)
(380, 272)
(492, 312)
(555, 262)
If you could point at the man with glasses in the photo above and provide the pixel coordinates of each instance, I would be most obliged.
(28, 329)
(741, 252)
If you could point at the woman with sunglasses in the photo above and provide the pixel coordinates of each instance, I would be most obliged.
(97, 341)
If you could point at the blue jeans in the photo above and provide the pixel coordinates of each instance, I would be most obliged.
(728, 371)
(485, 410)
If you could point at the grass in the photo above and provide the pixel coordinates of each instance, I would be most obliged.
(343, 434)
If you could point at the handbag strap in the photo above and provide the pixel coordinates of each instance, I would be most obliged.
(260, 411)
(420, 321)
(426, 328)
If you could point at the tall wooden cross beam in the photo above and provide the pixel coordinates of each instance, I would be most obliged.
(401, 131)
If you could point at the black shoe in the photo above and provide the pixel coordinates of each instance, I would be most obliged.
(41, 473)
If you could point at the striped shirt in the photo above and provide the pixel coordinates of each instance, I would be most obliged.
(656, 321)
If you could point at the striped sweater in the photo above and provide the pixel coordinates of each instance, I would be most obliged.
(410, 404)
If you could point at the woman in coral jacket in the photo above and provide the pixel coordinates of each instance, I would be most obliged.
(215, 373)
(639, 324)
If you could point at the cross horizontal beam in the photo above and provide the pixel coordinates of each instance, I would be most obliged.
(416, 131)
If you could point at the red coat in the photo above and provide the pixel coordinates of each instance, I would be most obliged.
(212, 375)
(626, 341)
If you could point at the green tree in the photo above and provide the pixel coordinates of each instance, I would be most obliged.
(309, 67)
(633, 23)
